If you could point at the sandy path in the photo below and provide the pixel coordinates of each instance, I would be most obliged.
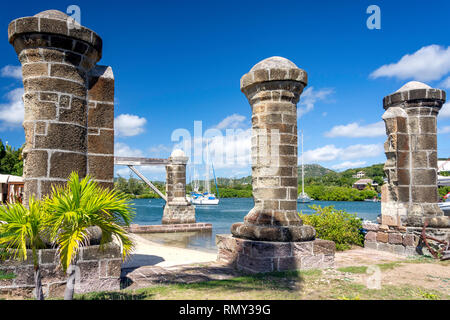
(149, 253)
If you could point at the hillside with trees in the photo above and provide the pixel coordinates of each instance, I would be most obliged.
(11, 161)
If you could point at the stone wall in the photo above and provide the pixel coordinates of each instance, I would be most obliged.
(99, 271)
(65, 94)
(170, 228)
(406, 241)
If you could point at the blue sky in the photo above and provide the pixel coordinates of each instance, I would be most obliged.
(178, 62)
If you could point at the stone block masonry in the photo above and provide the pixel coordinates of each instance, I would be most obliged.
(409, 200)
(99, 270)
(272, 236)
(273, 87)
(68, 100)
(267, 256)
(171, 228)
(405, 241)
(177, 209)
(411, 196)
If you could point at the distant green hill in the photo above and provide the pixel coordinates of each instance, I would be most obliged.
(313, 171)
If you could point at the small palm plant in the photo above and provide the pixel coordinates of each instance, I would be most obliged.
(23, 228)
(74, 208)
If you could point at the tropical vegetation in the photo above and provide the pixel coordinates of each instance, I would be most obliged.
(65, 220)
(11, 161)
(24, 229)
(76, 207)
(336, 225)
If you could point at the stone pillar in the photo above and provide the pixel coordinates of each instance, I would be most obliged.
(273, 88)
(177, 209)
(57, 59)
(410, 197)
(100, 140)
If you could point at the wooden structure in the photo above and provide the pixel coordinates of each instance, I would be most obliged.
(131, 162)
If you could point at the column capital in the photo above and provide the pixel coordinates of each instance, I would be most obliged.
(273, 69)
(178, 157)
(53, 23)
(415, 92)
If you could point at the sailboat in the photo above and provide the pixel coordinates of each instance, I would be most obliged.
(206, 198)
(303, 197)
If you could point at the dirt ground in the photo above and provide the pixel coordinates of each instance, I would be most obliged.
(400, 271)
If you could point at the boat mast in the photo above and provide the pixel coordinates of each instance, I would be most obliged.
(215, 180)
(303, 170)
(207, 170)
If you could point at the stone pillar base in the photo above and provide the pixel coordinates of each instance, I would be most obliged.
(405, 241)
(273, 233)
(178, 213)
(265, 256)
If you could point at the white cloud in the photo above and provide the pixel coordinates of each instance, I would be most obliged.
(11, 72)
(325, 153)
(123, 150)
(232, 150)
(348, 164)
(445, 129)
(310, 96)
(362, 151)
(231, 122)
(160, 150)
(128, 125)
(445, 83)
(331, 152)
(354, 130)
(426, 64)
(445, 111)
(12, 113)
(151, 172)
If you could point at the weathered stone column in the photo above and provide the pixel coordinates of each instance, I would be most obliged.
(100, 139)
(410, 197)
(273, 237)
(273, 88)
(57, 58)
(177, 209)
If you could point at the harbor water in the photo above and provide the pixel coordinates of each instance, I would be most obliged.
(222, 216)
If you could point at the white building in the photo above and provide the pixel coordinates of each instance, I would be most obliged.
(359, 175)
(11, 188)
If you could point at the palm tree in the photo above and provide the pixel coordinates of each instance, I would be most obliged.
(23, 228)
(74, 208)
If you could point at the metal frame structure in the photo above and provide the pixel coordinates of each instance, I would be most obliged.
(131, 162)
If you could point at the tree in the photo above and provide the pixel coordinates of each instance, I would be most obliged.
(11, 161)
(23, 228)
(74, 208)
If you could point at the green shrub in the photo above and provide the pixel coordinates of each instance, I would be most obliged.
(333, 193)
(443, 191)
(336, 225)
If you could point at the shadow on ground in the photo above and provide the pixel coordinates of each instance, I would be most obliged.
(209, 277)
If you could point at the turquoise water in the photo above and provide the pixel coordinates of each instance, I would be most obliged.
(222, 216)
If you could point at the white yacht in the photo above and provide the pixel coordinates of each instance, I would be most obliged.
(206, 198)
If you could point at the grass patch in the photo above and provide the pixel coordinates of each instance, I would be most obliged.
(353, 269)
(363, 269)
(6, 276)
(291, 285)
